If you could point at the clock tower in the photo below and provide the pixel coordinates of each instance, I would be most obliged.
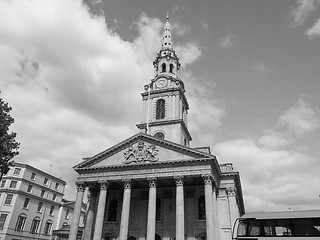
(164, 104)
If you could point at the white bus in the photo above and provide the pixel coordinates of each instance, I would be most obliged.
(302, 225)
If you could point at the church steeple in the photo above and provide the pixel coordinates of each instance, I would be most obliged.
(165, 106)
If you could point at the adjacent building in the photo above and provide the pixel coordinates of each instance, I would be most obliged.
(29, 203)
(154, 185)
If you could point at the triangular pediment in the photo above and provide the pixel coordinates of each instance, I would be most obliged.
(141, 149)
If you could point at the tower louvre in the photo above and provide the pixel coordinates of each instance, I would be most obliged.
(164, 104)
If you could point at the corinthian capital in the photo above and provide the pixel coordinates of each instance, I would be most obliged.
(152, 182)
(127, 183)
(179, 180)
(80, 186)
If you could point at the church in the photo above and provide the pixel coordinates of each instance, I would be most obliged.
(154, 185)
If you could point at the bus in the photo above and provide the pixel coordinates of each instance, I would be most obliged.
(282, 225)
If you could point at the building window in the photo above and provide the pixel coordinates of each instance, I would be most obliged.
(57, 186)
(26, 202)
(54, 197)
(160, 109)
(3, 218)
(40, 207)
(113, 210)
(163, 67)
(33, 176)
(42, 193)
(35, 225)
(21, 222)
(159, 135)
(45, 181)
(16, 171)
(67, 214)
(13, 184)
(8, 199)
(3, 183)
(29, 189)
(158, 209)
(51, 210)
(47, 227)
(201, 208)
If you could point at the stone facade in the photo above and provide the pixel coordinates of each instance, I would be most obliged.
(153, 185)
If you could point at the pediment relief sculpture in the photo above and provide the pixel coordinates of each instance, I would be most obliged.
(141, 153)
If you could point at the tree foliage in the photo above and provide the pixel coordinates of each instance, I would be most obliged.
(8, 144)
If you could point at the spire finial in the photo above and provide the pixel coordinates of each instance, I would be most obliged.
(166, 38)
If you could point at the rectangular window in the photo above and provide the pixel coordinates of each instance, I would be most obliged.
(277, 227)
(67, 214)
(40, 207)
(3, 183)
(45, 181)
(35, 226)
(3, 218)
(16, 171)
(26, 203)
(42, 193)
(8, 199)
(57, 186)
(33, 176)
(307, 227)
(13, 184)
(54, 197)
(20, 223)
(29, 189)
(51, 210)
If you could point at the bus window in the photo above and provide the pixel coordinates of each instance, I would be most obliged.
(254, 228)
(242, 228)
(307, 227)
(277, 227)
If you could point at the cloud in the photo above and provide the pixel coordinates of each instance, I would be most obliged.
(73, 82)
(229, 41)
(314, 31)
(261, 68)
(301, 118)
(273, 176)
(302, 10)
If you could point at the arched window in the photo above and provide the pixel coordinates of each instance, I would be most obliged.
(65, 224)
(157, 237)
(160, 109)
(113, 210)
(163, 67)
(201, 208)
(35, 225)
(158, 209)
(47, 228)
(131, 238)
(159, 135)
(171, 68)
(21, 222)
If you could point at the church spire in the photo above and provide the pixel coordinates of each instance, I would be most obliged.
(166, 37)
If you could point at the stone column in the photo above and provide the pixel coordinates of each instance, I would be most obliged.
(151, 225)
(100, 211)
(92, 197)
(124, 225)
(179, 208)
(209, 206)
(215, 211)
(77, 212)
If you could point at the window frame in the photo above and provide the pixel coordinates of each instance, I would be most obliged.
(26, 203)
(9, 196)
(3, 218)
(21, 223)
(34, 229)
(13, 184)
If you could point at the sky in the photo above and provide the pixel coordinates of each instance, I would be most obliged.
(73, 72)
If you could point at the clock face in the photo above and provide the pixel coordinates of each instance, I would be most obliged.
(161, 83)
